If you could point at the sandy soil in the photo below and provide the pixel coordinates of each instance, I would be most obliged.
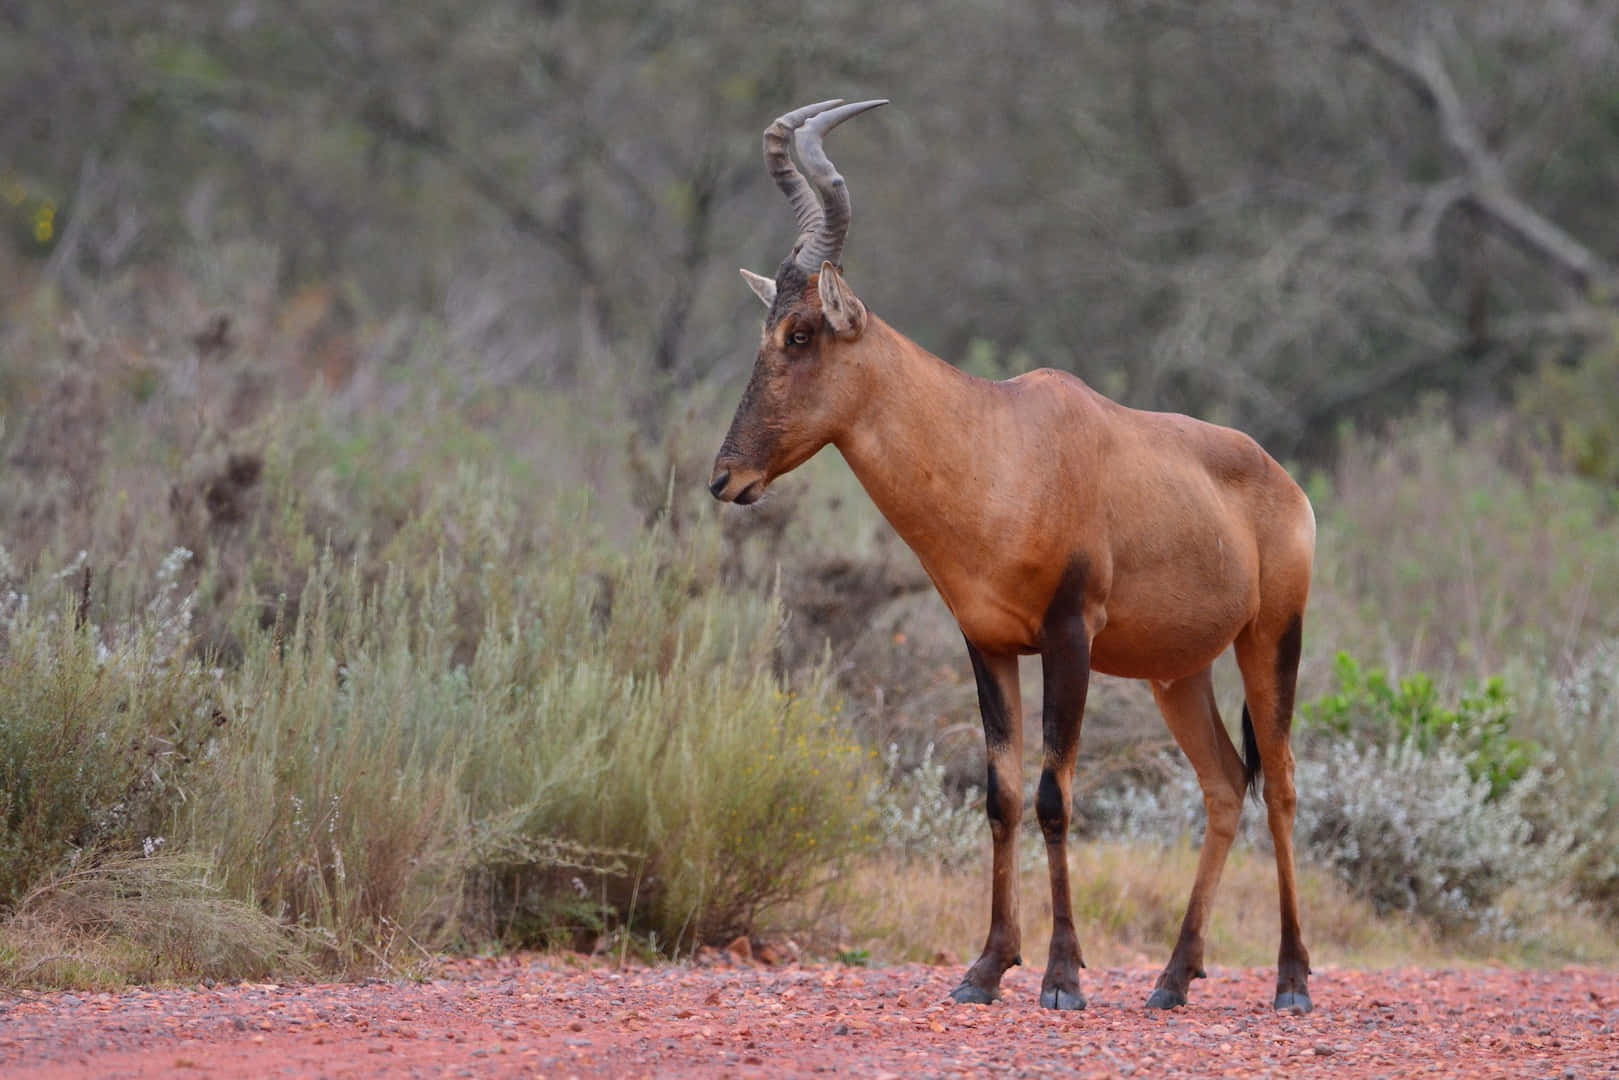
(537, 1017)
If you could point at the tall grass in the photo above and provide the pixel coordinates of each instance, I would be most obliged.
(1464, 556)
(101, 734)
(362, 662)
(401, 759)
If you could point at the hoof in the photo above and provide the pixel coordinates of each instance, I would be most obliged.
(1296, 1002)
(1164, 998)
(1055, 997)
(968, 994)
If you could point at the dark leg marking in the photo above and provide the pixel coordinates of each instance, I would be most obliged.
(991, 702)
(1049, 808)
(992, 801)
(1065, 661)
(1273, 727)
(1003, 798)
(1288, 649)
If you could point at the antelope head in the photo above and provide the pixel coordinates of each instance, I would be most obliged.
(805, 384)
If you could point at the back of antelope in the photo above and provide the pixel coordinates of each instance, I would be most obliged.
(1053, 522)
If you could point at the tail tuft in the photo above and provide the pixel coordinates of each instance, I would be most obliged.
(1250, 754)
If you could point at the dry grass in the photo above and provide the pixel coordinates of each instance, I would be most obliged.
(1128, 903)
(140, 920)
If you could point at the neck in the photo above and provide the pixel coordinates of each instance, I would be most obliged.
(916, 446)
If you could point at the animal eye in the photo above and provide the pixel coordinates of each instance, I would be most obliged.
(800, 337)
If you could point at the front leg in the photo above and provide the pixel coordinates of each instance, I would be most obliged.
(1065, 662)
(1001, 708)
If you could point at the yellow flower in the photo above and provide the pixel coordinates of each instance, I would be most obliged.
(44, 223)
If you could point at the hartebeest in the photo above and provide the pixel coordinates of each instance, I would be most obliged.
(1052, 521)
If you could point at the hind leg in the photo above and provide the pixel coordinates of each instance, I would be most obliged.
(1268, 656)
(1189, 710)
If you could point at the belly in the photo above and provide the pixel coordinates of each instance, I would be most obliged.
(1169, 636)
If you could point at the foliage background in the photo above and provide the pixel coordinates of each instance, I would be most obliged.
(349, 302)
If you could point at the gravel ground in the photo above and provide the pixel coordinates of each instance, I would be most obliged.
(538, 1017)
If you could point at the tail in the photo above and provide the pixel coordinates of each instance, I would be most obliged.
(1250, 754)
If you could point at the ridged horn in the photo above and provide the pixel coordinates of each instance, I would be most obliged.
(806, 207)
(820, 204)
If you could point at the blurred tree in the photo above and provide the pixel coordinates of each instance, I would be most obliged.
(1274, 216)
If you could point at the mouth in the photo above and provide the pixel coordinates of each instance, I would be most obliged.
(746, 497)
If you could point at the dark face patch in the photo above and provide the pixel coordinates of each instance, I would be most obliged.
(791, 407)
(790, 285)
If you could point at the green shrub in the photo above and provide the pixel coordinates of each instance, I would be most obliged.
(497, 725)
(1409, 827)
(647, 718)
(337, 806)
(108, 736)
(1417, 805)
(1422, 806)
(1369, 707)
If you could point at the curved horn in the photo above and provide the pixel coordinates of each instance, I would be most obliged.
(806, 207)
(820, 204)
(826, 243)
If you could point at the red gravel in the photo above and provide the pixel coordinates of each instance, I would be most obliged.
(525, 1017)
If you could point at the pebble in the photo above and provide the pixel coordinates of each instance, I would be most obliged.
(664, 1010)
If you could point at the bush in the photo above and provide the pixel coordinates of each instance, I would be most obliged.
(102, 733)
(337, 806)
(920, 817)
(647, 718)
(534, 752)
(534, 735)
(1417, 805)
(1422, 806)
(1412, 828)
(1582, 735)
(1369, 707)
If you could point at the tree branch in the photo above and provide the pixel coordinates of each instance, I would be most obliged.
(1486, 191)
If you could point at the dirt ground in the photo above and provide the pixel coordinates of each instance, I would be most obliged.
(531, 1016)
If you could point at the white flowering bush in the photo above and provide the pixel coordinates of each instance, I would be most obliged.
(1415, 829)
(1134, 812)
(1583, 737)
(919, 816)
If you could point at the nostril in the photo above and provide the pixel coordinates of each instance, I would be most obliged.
(718, 484)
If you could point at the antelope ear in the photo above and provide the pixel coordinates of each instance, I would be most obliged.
(844, 312)
(762, 287)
